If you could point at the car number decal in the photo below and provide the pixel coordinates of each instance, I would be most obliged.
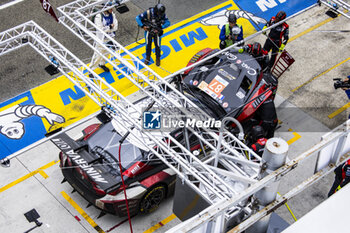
(217, 85)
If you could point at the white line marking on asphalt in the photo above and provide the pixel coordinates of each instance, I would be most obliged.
(10, 4)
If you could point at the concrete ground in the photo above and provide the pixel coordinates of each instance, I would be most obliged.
(27, 71)
(305, 102)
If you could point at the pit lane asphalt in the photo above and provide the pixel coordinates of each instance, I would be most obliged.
(23, 70)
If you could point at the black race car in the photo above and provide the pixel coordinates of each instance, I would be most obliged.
(90, 164)
(231, 84)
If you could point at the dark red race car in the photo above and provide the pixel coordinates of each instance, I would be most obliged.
(230, 84)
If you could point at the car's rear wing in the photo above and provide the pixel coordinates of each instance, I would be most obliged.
(79, 156)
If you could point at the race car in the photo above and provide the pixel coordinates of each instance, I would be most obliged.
(90, 164)
(228, 85)
(232, 84)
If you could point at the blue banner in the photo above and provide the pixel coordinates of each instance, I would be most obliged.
(267, 8)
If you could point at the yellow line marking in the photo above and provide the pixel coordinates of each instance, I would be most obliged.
(307, 31)
(340, 110)
(290, 211)
(41, 172)
(313, 27)
(28, 176)
(171, 217)
(295, 138)
(309, 81)
(82, 212)
(161, 223)
(310, 29)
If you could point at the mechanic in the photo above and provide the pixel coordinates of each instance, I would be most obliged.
(107, 22)
(342, 177)
(278, 36)
(258, 140)
(268, 116)
(231, 32)
(153, 21)
(260, 54)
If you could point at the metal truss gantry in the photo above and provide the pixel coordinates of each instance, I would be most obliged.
(233, 154)
(212, 183)
(338, 6)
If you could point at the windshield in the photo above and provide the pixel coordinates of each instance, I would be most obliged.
(205, 102)
(105, 143)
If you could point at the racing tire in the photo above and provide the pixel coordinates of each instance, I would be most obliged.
(154, 196)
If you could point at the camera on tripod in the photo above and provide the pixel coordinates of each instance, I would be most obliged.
(338, 83)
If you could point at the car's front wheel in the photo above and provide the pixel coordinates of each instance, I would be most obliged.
(150, 202)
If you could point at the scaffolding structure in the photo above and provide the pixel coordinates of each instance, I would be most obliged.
(230, 151)
(215, 183)
(337, 6)
(212, 183)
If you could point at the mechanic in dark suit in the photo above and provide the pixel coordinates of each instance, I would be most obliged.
(342, 177)
(153, 21)
(278, 36)
(268, 117)
(231, 32)
(260, 54)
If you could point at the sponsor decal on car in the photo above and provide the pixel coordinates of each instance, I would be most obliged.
(226, 74)
(230, 56)
(203, 85)
(249, 69)
(240, 94)
(81, 162)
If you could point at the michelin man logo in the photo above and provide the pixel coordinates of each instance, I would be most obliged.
(220, 19)
(10, 124)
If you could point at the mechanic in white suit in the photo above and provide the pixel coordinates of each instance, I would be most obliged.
(107, 22)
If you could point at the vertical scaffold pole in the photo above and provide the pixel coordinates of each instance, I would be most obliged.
(275, 155)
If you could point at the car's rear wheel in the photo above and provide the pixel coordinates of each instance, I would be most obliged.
(150, 202)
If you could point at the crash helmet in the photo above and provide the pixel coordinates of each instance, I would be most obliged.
(257, 132)
(159, 10)
(232, 18)
(256, 49)
(281, 15)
